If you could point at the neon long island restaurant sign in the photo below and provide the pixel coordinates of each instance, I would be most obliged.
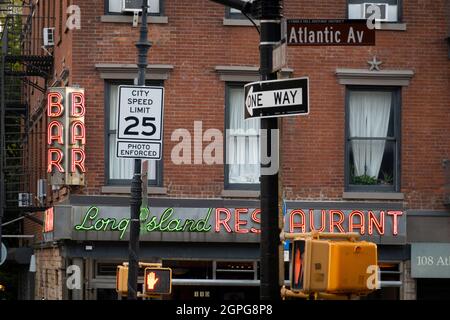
(66, 136)
(371, 223)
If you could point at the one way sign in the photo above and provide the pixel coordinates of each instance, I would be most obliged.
(276, 98)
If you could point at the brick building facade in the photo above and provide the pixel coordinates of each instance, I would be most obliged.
(203, 54)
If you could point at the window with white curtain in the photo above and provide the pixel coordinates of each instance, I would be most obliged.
(115, 6)
(120, 170)
(242, 143)
(372, 139)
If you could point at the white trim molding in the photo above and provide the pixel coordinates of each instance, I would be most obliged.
(239, 22)
(245, 73)
(240, 194)
(373, 195)
(374, 78)
(126, 190)
(130, 71)
(113, 18)
(392, 26)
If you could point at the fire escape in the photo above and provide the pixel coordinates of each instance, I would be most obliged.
(23, 62)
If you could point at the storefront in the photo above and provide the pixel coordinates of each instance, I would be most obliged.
(211, 245)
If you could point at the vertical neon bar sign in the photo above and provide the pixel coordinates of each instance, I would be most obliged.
(66, 136)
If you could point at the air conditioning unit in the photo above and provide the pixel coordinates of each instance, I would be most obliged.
(133, 5)
(49, 37)
(25, 200)
(383, 11)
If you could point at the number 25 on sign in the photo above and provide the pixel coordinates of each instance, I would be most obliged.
(140, 122)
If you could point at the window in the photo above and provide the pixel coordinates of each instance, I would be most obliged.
(373, 131)
(390, 10)
(119, 170)
(232, 13)
(115, 6)
(242, 143)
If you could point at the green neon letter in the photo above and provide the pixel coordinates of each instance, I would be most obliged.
(91, 214)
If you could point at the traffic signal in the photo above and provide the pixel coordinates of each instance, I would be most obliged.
(122, 280)
(332, 266)
(157, 281)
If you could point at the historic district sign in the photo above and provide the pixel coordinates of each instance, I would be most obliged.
(140, 122)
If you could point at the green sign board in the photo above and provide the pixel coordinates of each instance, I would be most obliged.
(430, 260)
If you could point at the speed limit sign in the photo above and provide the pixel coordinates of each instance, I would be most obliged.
(140, 122)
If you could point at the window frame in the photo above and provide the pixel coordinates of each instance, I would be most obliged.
(397, 106)
(160, 13)
(227, 184)
(158, 182)
(233, 15)
(399, 12)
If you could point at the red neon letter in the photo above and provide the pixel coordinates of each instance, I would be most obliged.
(312, 227)
(394, 215)
(81, 135)
(352, 225)
(293, 224)
(225, 221)
(378, 224)
(52, 103)
(255, 218)
(238, 222)
(58, 136)
(48, 225)
(74, 162)
(78, 109)
(336, 223)
(54, 162)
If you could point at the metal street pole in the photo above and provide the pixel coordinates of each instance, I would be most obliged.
(4, 49)
(143, 45)
(269, 12)
(270, 20)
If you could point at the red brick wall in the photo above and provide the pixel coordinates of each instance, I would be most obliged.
(195, 41)
(49, 274)
(36, 151)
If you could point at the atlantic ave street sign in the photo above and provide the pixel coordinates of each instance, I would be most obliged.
(276, 98)
(140, 122)
(321, 32)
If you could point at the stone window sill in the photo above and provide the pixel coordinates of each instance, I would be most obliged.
(126, 190)
(373, 195)
(129, 19)
(392, 26)
(240, 194)
(239, 22)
